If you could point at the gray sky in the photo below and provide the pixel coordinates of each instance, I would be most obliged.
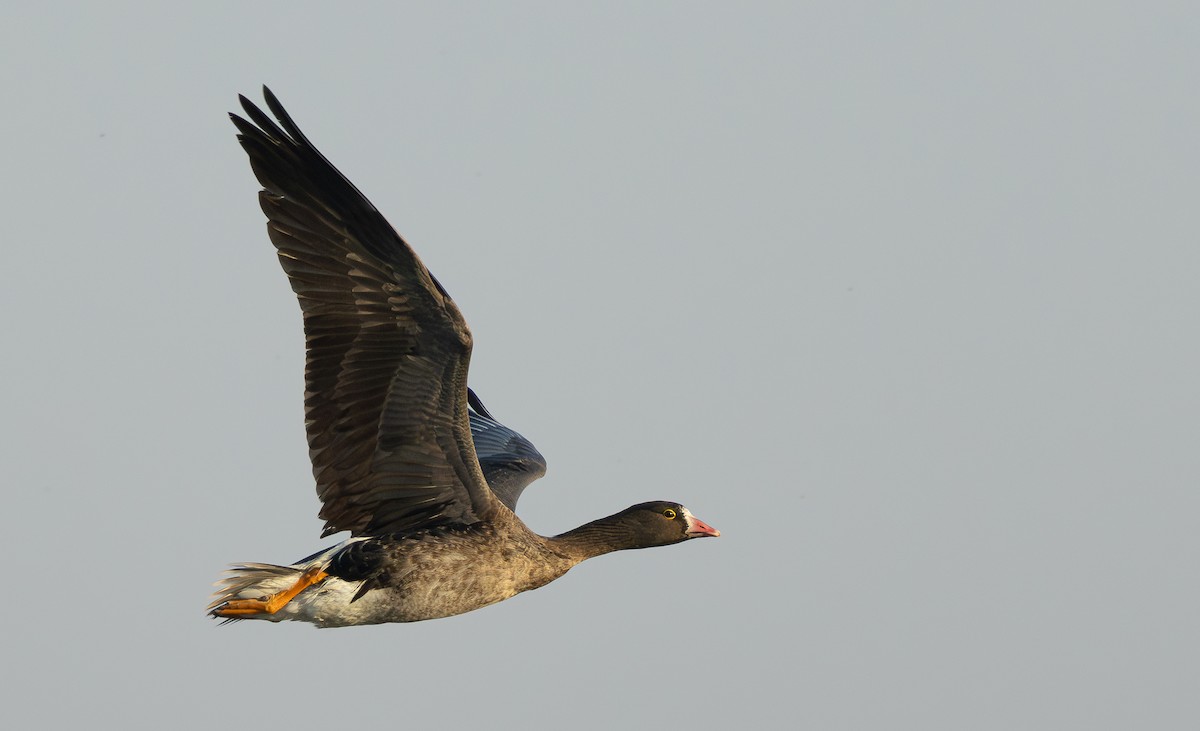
(902, 300)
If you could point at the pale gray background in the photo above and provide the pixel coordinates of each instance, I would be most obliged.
(903, 301)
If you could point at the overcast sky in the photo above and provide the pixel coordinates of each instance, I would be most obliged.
(904, 301)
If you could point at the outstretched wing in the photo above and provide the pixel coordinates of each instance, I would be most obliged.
(509, 461)
(386, 376)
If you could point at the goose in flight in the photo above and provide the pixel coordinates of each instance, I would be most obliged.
(406, 457)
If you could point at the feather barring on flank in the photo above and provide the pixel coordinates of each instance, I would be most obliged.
(406, 457)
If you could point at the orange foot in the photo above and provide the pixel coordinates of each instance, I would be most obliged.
(273, 603)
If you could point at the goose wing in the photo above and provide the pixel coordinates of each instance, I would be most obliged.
(509, 461)
(386, 374)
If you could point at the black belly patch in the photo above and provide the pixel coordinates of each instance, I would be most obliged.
(361, 561)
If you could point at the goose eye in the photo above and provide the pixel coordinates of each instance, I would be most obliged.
(669, 513)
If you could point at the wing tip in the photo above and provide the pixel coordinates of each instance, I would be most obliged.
(475, 403)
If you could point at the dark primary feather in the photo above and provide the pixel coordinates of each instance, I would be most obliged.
(509, 461)
(388, 350)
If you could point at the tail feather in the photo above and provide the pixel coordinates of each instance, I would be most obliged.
(252, 581)
(262, 580)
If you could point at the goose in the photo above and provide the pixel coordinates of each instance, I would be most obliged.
(406, 457)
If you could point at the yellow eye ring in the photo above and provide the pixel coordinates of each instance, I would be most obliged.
(669, 513)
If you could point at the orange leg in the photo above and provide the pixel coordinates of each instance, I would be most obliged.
(273, 603)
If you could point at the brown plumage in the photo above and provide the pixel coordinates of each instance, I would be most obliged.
(392, 427)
